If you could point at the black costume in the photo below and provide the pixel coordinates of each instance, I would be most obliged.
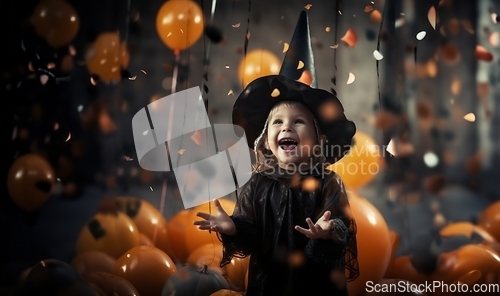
(265, 215)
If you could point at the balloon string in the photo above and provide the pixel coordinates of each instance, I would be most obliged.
(245, 48)
(338, 6)
(127, 20)
(162, 206)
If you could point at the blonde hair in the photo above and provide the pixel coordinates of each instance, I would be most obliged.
(264, 158)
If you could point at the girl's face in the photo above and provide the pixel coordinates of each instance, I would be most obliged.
(291, 136)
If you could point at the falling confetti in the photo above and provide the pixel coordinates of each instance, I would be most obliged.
(43, 79)
(197, 137)
(92, 81)
(351, 78)
(275, 93)
(310, 184)
(236, 25)
(144, 72)
(128, 158)
(300, 65)
(421, 35)
(456, 86)
(133, 78)
(493, 39)
(150, 188)
(377, 55)
(368, 8)
(181, 151)
(227, 66)
(468, 26)
(431, 16)
(308, 6)
(431, 159)
(230, 92)
(350, 38)
(483, 54)
(285, 47)
(68, 138)
(376, 17)
(470, 117)
(327, 29)
(400, 22)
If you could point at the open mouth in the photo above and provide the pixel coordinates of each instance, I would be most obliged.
(287, 144)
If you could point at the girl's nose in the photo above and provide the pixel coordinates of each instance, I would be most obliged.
(286, 129)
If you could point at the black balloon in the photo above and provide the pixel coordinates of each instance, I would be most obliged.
(214, 33)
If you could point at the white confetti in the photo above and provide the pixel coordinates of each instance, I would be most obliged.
(377, 55)
(421, 35)
(431, 159)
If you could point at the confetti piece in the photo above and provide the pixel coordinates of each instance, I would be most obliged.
(133, 78)
(285, 47)
(308, 6)
(377, 55)
(468, 26)
(227, 67)
(197, 137)
(493, 39)
(150, 188)
(92, 81)
(169, 34)
(350, 38)
(51, 65)
(275, 93)
(230, 92)
(351, 78)
(335, 46)
(181, 151)
(310, 184)
(327, 29)
(300, 65)
(470, 117)
(368, 8)
(421, 35)
(456, 86)
(236, 25)
(144, 72)
(43, 79)
(128, 158)
(483, 54)
(68, 138)
(431, 16)
(376, 17)
(56, 126)
(72, 50)
(431, 159)
(400, 22)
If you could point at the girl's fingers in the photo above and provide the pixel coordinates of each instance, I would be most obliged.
(310, 223)
(218, 206)
(327, 215)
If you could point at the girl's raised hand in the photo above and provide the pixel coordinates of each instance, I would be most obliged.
(220, 222)
(319, 230)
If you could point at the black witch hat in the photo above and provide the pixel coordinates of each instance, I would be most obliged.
(295, 82)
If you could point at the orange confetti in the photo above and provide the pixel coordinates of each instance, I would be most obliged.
(470, 117)
(456, 86)
(350, 38)
(197, 137)
(351, 78)
(275, 93)
(483, 54)
(230, 92)
(493, 39)
(285, 47)
(368, 8)
(450, 53)
(431, 16)
(310, 184)
(300, 65)
(308, 6)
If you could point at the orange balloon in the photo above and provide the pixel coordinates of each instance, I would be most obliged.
(195, 237)
(362, 163)
(148, 220)
(374, 243)
(490, 220)
(471, 264)
(30, 181)
(56, 21)
(93, 261)
(111, 284)
(144, 240)
(176, 236)
(236, 272)
(210, 255)
(258, 63)
(107, 57)
(179, 23)
(146, 268)
(226, 292)
(111, 233)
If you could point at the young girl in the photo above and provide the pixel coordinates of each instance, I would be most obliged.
(293, 215)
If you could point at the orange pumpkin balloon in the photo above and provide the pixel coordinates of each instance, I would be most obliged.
(236, 272)
(107, 56)
(177, 237)
(195, 237)
(93, 261)
(490, 220)
(374, 243)
(210, 255)
(179, 24)
(112, 233)
(471, 264)
(362, 163)
(148, 220)
(56, 21)
(146, 268)
(111, 284)
(258, 63)
(144, 240)
(30, 181)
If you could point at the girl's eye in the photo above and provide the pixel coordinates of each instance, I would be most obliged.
(277, 121)
(299, 121)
